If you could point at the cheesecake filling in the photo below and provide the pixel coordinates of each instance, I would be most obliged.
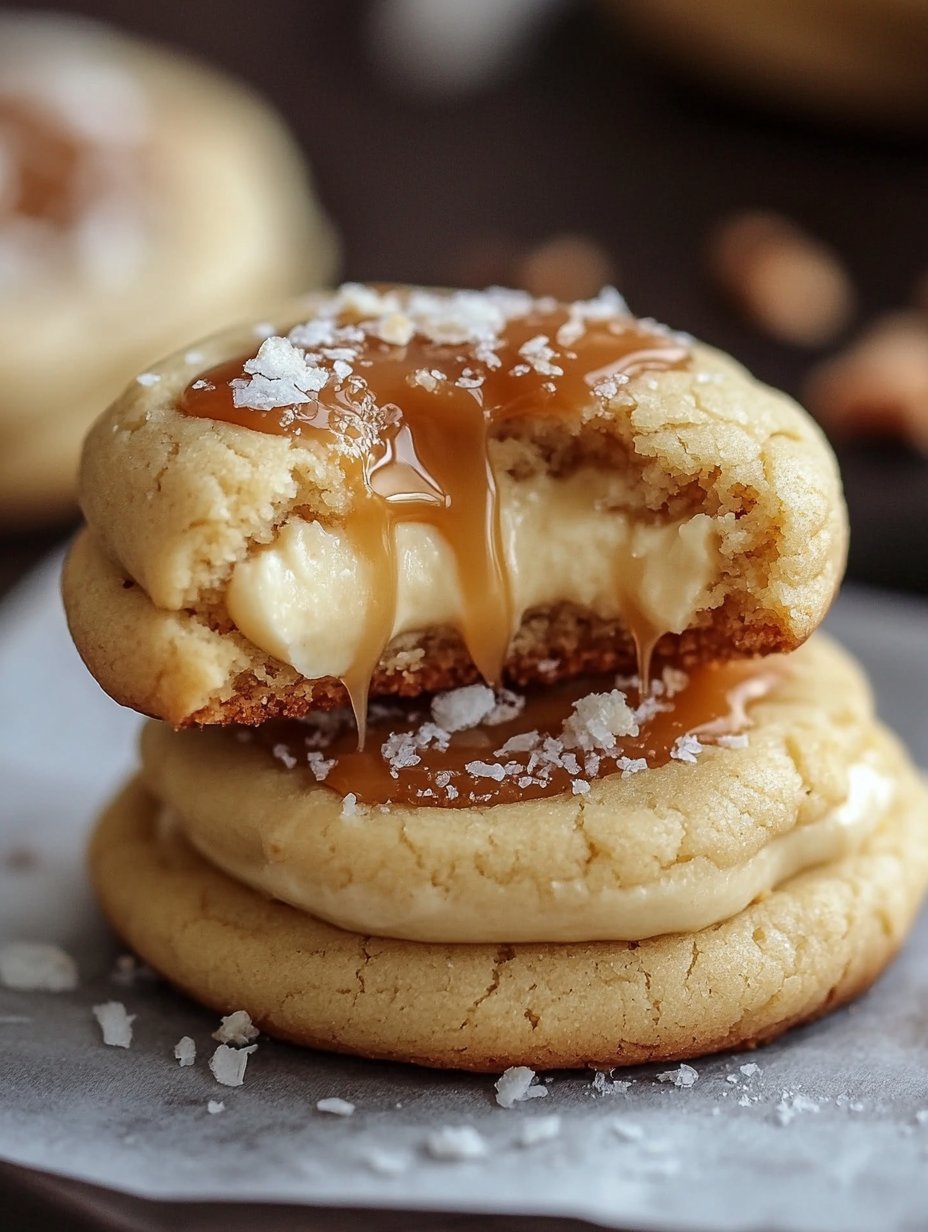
(304, 597)
(408, 392)
(688, 897)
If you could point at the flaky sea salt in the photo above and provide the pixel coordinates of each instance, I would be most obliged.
(597, 720)
(686, 749)
(185, 1051)
(400, 752)
(486, 770)
(517, 1084)
(37, 966)
(147, 379)
(603, 1085)
(630, 765)
(215, 1105)
(228, 1064)
(335, 1106)
(352, 807)
(115, 1023)
(628, 1131)
(508, 706)
(685, 1076)
(456, 1143)
(319, 765)
(236, 1028)
(279, 375)
(283, 755)
(462, 709)
(539, 355)
(750, 1069)
(739, 741)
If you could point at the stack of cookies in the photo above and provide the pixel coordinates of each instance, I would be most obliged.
(491, 725)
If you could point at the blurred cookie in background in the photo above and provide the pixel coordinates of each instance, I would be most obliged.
(144, 199)
(851, 60)
(789, 284)
(879, 385)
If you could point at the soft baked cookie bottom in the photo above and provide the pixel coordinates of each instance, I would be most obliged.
(811, 945)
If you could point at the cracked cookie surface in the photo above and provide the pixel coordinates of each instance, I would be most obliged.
(811, 945)
(175, 504)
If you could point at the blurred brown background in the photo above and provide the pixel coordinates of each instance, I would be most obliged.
(584, 132)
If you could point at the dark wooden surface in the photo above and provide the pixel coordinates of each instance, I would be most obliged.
(586, 136)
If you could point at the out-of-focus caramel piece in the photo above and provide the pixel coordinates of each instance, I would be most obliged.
(566, 266)
(879, 386)
(790, 285)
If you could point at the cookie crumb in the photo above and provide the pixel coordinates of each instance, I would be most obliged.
(515, 1085)
(185, 1051)
(37, 966)
(115, 1023)
(228, 1064)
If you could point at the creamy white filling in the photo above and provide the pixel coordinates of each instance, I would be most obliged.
(687, 898)
(304, 597)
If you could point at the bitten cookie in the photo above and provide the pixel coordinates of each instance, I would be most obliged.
(146, 198)
(410, 490)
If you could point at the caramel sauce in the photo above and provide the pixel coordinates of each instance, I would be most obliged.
(48, 160)
(713, 703)
(428, 459)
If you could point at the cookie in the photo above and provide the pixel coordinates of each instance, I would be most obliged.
(147, 199)
(409, 491)
(431, 835)
(810, 945)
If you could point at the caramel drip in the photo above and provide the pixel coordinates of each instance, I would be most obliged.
(429, 460)
(47, 165)
(715, 702)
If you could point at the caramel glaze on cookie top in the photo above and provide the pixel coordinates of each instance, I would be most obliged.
(412, 411)
(474, 748)
(402, 491)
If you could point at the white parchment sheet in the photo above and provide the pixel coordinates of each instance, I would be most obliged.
(824, 1136)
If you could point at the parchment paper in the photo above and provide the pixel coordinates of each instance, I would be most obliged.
(723, 1154)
